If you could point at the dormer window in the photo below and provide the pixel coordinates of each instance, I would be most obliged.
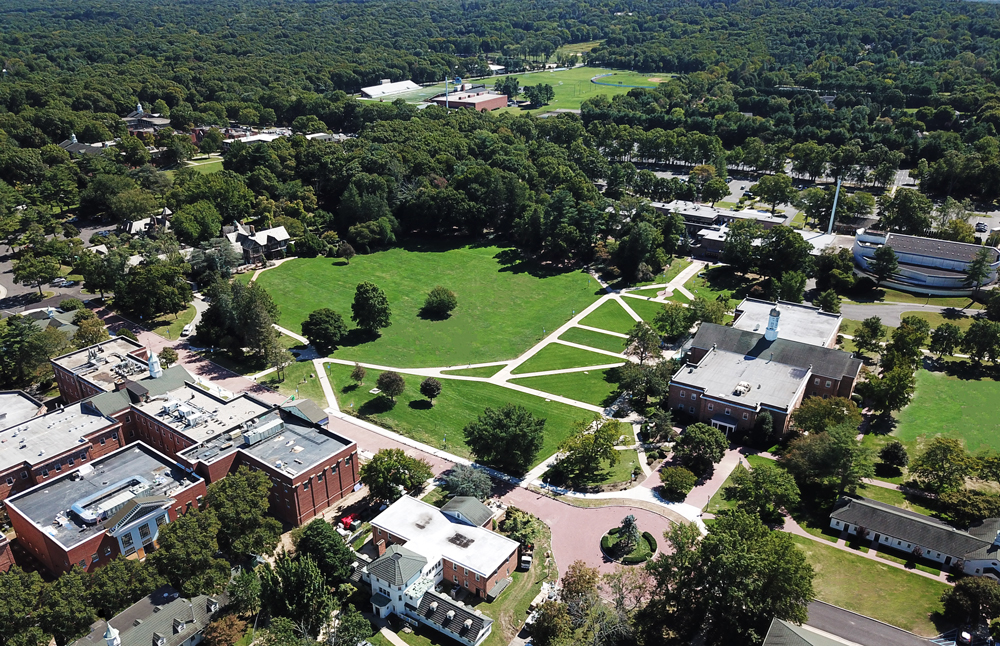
(178, 626)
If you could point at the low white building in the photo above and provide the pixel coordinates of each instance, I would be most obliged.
(974, 552)
(388, 88)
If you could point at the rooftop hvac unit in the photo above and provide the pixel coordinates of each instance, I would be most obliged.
(742, 388)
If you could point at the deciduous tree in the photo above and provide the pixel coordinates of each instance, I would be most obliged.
(642, 342)
(440, 303)
(834, 459)
(391, 384)
(320, 541)
(868, 336)
(371, 309)
(883, 264)
(187, 554)
(324, 328)
(764, 490)
(700, 447)
(944, 464)
(464, 480)
(945, 339)
(672, 321)
(391, 473)
(430, 388)
(817, 414)
(240, 502)
(506, 438)
(295, 588)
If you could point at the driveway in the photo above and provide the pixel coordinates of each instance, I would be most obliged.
(889, 312)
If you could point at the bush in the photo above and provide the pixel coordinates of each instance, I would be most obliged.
(127, 333)
(652, 541)
(71, 304)
(677, 482)
(440, 302)
(613, 531)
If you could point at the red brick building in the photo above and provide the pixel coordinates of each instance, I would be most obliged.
(482, 100)
(110, 506)
(99, 368)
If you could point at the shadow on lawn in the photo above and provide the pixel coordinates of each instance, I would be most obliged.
(966, 370)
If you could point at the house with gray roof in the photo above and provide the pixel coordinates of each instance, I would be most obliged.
(974, 552)
(164, 618)
(257, 246)
(469, 510)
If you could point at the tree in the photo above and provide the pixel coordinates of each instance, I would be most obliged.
(579, 590)
(225, 631)
(642, 342)
(906, 211)
(740, 250)
(672, 321)
(775, 190)
(430, 388)
(539, 95)
(521, 526)
(783, 249)
(240, 502)
(708, 311)
(22, 353)
(371, 308)
(894, 454)
(296, 589)
(439, 303)
(868, 336)
(20, 593)
(464, 480)
(211, 142)
(966, 506)
(324, 328)
(727, 586)
(828, 301)
(31, 270)
(714, 190)
(351, 628)
(972, 600)
(763, 491)
(834, 459)
(244, 593)
(358, 374)
(90, 332)
(700, 447)
(627, 588)
(346, 251)
(591, 445)
(629, 534)
(982, 341)
(186, 557)
(817, 414)
(391, 473)
(282, 631)
(792, 287)
(977, 273)
(883, 264)
(391, 384)
(890, 391)
(506, 438)
(168, 357)
(552, 624)
(944, 464)
(119, 584)
(945, 339)
(320, 541)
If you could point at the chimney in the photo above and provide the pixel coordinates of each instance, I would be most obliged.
(771, 333)
(381, 547)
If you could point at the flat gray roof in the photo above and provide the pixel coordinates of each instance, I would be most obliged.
(291, 446)
(106, 362)
(16, 407)
(38, 439)
(803, 323)
(199, 415)
(48, 504)
(720, 373)
(935, 248)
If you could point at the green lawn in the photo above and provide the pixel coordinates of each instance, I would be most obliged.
(646, 309)
(591, 387)
(460, 402)
(572, 86)
(712, 282)
(594, 339)
(944, 405)
(502, 311)
(575, 48)
(557, 356)
(300, 381)
(887, 295)
(610, 316)
(205, 168)
(880, 591)
(653, 292)
(628, 460)
(957, 317)
(485, 371)
(906, 560)
(896, 498)
(717, 503)
(170, 327)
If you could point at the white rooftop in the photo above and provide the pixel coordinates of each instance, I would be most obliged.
(432, 534)
(41, 438)
(199, 415)
(721, 374)
(16, 407)
(798, 322)
(386, 89)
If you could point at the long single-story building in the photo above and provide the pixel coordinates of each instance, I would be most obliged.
(974, 552)
(926, 265)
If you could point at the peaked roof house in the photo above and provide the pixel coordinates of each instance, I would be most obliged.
(975, 552)
(164, 618)
(425, 551)
(257, 245)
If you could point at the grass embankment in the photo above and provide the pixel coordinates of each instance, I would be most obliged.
(170, 327)
(502, 310)
(460, 402)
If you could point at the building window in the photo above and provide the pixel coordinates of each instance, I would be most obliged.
(816, 381)
(58, 467)
(305, 486)
(692, 410)
(829, 383)
(107, 551)
(95, 558)
(161, 519)
(477, 577)
(813, 393)
(10, 480)
(45, 473)
(683, 393)
(694, 395)
(144, 531)
(128, 418)
(729, 411)
(454, 566)
(131, 432)
(456, 578)
(24, 475)
(102, 441)
(129, 551)
(320, 477)
(83, 563)
(69, 462)
(711, 407)
(745, 416)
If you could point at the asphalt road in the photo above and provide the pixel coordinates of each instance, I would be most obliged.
(888, 312)
(858, 628)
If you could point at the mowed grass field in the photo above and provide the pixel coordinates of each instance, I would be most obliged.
(557, 356)
(460, 402)
(610, 316)
(502, 311)
(591, 387)
(874, 589)
(594, 339)
(959, 408)
(572, 86)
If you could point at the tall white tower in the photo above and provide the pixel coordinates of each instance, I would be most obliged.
(155, 371)
(111, 636)
(771, 333)
(138, 109)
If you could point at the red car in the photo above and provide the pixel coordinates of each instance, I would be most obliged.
(348, 521)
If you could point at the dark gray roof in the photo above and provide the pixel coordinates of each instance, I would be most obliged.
(782, 633)
(381, 600)
(307, 410)
(113, 402)
(397, 566)
(986, 530)
(468, 509)
(934, 248)
(465, 623)
(827, 362)
(927, 532)
(156, 614)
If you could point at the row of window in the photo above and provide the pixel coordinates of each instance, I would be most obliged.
(711, 407)
(828, 382)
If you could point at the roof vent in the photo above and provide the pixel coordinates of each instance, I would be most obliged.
(451, 614)
(468, 623)
(434, 606)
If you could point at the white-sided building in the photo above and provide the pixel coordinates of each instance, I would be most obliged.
(388, 88)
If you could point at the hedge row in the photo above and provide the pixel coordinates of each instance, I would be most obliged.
(652, 541)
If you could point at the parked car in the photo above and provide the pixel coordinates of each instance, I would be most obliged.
(981, 227)
(964, 637)
(68, 283)
(58, 282)
(188, 329)
(526, 561)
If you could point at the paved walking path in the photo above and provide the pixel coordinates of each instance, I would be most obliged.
(286, 332)
(277, 263)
